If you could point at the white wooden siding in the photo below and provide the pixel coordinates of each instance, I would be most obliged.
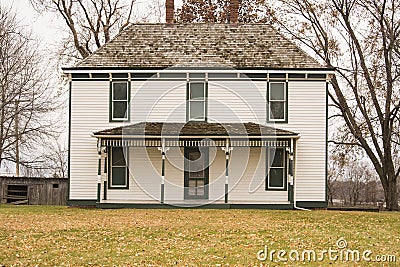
(158, 101)
(236, 101)
(166, 101)
(307, 116)
(217, 174)
(89, 113)
(174, 180)
(247, 177)
(144, 176)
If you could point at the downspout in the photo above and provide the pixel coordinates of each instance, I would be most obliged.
(294, 176)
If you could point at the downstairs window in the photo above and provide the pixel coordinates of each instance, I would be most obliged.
(118, 168)
(276, 177)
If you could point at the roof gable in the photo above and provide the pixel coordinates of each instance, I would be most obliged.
(199, 45)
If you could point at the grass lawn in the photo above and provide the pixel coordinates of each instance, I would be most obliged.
(61, 236)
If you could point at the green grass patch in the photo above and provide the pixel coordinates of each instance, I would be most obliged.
(61, 236)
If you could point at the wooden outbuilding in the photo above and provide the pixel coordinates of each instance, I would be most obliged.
(33, 190)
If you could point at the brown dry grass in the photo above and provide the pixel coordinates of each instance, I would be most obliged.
(60, 236)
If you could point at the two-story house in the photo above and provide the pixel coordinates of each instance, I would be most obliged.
(223, 115)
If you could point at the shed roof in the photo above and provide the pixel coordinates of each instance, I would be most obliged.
(199, 45)
(195, 129)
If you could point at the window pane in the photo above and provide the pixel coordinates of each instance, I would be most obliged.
(118, 158)
(275, 178)
(120, 91)
(192, 191)
(192, 183)
(197, 110)
(194, 155)
(118, 176)
(277, 91)
(120, 108)
(277, 110)
(278, 157)
(200, 191)
(200, 182)
(197, 90)
(195, 174)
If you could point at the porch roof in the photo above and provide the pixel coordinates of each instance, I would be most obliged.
(194, 129)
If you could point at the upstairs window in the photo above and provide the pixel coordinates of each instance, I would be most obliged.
(118, 168)
(119, 106)
(276, 177)
(197, 101)
(277, 102)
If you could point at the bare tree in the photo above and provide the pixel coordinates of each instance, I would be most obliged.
(336, 169)
(26, 98)
(373, 192)
(218, 11)
(56, 160)
(90, 24)
(357, 177)
(51, 162)
(360, 38)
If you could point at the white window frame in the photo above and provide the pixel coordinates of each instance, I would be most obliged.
(284, 172)
(284, 102)
(125, 152)
(126, 118)
(197, 100)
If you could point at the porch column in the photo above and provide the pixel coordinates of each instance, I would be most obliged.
(291, 171)
(163, 150)
(162, 176)
(227, 150)
(98, 170)
(105, 173)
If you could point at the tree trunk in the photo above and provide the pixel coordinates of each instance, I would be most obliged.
(391, 196)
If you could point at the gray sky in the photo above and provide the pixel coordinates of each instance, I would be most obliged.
(43, 26)
(48, 26)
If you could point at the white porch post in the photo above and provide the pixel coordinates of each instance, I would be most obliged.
(227, 150)
(163, 150)
(291, 170)
(98, 170)
(105, 174)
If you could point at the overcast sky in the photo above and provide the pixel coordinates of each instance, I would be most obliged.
(48, 26)
(43, 26)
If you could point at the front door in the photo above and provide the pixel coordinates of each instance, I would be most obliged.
(196, 173)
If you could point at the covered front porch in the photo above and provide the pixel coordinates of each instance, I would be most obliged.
(196, 164)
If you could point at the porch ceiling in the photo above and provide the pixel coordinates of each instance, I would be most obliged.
(194, 129)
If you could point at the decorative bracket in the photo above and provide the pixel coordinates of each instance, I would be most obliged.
(163, 148)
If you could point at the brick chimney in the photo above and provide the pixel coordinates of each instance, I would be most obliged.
(233, 11)
(169, 11)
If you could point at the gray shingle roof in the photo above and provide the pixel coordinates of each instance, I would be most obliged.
(194, 129)
(210, 45)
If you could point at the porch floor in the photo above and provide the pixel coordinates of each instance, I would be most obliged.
(191, 202)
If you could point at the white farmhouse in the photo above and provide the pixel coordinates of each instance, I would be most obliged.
(187, 115)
